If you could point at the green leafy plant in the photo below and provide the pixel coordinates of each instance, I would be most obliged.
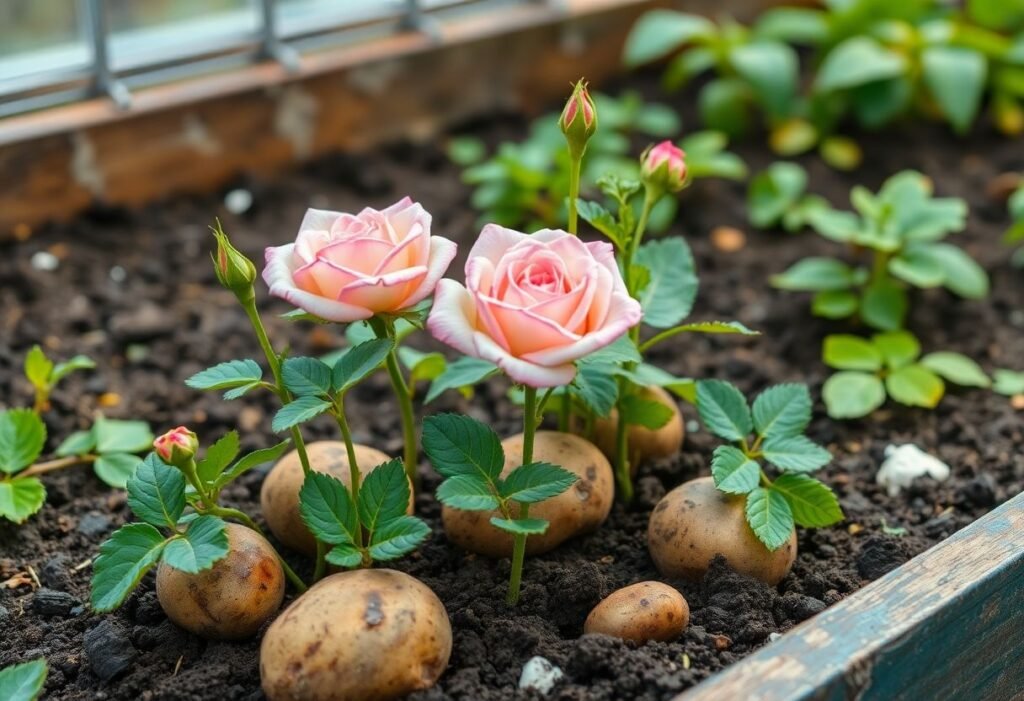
(1008, 382)
(890, 364)
(159, 495)
(526, 184)
(777, 197)
(770, 432)
(44, 374)
(23, 682)
(1015, 234)
(903, 228)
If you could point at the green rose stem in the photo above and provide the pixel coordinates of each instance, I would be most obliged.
(385, 328)
(519, 543)
(575, 166)
(355, 476)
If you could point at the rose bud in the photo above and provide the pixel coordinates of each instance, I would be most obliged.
(234, 271)
(534, 304)
(579, 120)
(663, 167)
(177, 447)
(349, 267)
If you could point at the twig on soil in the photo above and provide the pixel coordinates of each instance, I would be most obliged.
(35, 577)
(177, 665)
(81, 565)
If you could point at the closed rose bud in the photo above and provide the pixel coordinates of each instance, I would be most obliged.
(234, 271)
(663, 167)
(579, 120)
(177, 447)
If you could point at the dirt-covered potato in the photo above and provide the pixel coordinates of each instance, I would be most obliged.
(279, 496)
(695, 521)
(365, 635)
(644, 444)
(232, 599)
(641, 612)
(578, 510)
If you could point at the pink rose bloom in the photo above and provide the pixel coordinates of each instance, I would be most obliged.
(345, 267)
(665, 165)
(534, 304)
(177, 443)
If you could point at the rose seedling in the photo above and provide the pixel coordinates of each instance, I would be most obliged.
(890, 364)
(740, 512)
(902, 227)
(777, 196)
(44, 374)
(23, 682)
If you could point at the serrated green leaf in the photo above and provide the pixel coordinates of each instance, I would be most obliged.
(857, 61)
(464, 372)
(795, 453)
(326, 507)
(233, 373)
(117, 436)
(770, 517)
(359, 362)
(956, 368)
(846, 352)
(521, 526)
(253, 459)
(116, 468)
(646, 375)
(850, 394)
(782, 410)
(897, 347)
(239, 392)
(384, 495)
(306, 377)
(78, 443)
(619, 352)
(723, 409)
(23, 682)
(595, 386)
(733, 471)
(38, 368)
(20, 498)
(639, 411)
(345, 555)
(601, 219)
(659, 32)
(915, 385)
(218, 457)
(299, 411)
(398, 537)
(22, 436)
(668, 296)
(468, 493)
(203, 544)
(459, 445)
(124, 558)
(422, 366)
(529, 484)
(156, 492)
(62, 370)
(813, 504)
(816, 274)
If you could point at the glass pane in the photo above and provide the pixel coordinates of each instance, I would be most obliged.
(40, 37)
(301, 16)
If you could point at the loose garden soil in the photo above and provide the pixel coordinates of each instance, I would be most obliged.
(136, 291)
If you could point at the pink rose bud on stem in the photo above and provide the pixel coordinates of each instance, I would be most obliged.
(663, 168)
(234, 271)
(578, 120)
(177, 447)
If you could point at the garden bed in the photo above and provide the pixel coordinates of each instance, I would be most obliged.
(137, 292)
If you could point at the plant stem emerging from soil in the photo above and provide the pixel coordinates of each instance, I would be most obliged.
(59, 464)
(565, 408)
(519, 542)
(386, 329)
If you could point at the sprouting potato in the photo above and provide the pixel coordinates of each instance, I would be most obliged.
(641, 612)
(232, 599)
(644, 443)
(695, 522)
(279, 496)
(578, 510)
(364, 635)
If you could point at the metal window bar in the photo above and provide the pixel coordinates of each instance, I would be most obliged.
(106, 63)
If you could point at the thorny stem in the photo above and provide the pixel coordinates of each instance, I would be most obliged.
(59, 464)
(410, 458)
(519, 542)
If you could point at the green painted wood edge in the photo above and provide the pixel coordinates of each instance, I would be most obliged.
(947, 624)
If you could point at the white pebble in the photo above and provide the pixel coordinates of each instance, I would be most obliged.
(238, 201)
(905, 463)
(44, 260)
(118, 274)
(540, 674)
(772, 637)
(692, 426)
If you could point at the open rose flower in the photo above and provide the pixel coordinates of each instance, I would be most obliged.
(348, 267)
(534, 304)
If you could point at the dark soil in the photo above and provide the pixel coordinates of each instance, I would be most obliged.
(136, 291)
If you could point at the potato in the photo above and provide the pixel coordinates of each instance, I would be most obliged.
(641, 612)
(695, 521)
(364, 635)
(232, 599)
(279, 496)
(578, 510)
(644, 444)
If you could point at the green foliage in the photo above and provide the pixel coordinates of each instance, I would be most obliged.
(872, 64)
(778, 418)
(1015, 234)
(236, 376)
(526, 185)
(777, 197)
(23, 682)
(462, 375)
(1008, 382)
(890, 364)
(469, 455)
(44, 374)
(903, 227)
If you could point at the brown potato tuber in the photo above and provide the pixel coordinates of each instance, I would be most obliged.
(641, 612)
(644, 443)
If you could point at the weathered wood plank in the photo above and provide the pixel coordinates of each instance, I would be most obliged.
(947, 624)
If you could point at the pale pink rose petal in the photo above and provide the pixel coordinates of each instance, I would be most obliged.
(308, 242)
(323, 278)
(362, 254)
(494, 242)
(410, 251)
(442, 253)
(386, 293)
(453, 318)
(623, 315)
(278, 276)
(561, 310)
(522, 371)
(318, 220)
(526, 332)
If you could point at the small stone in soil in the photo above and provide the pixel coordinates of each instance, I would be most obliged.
(540, 675)
(109, 651)
(142, 323)
(48, 602)
(4, 614)
(800, 607)
(880, 555)
(93, 525)
(54, 572)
